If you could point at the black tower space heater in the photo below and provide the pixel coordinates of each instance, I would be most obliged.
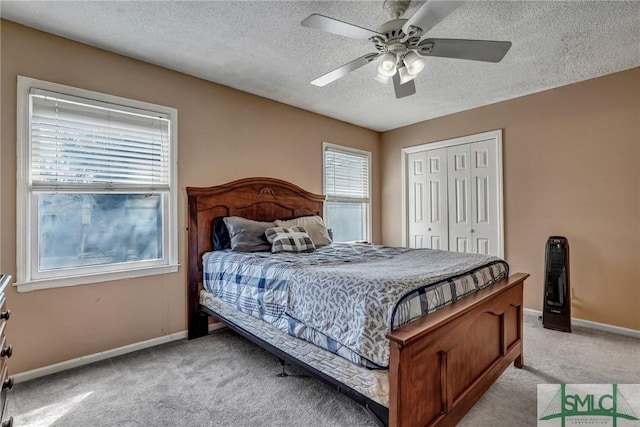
(557, 304)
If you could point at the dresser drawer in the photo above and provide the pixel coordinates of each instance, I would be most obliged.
(3, 405)
(6, 350)
(6, 382)
(3, 340)
(4, 313)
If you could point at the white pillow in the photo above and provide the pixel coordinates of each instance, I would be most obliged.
(314, 226)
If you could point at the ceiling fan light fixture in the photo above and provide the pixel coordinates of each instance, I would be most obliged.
(414, 63)
(404, 75)
(387, 66)
(382, 79)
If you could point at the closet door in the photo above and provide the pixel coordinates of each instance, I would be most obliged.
(436, 200)
(453, 195)
(459, 177)
(428, 210)
(484, 198)
(417, 182)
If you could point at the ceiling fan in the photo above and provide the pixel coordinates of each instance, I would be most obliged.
(400, 44)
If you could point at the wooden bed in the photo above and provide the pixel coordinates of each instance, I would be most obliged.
(440, 365)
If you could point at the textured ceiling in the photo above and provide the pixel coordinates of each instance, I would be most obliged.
(260, 47)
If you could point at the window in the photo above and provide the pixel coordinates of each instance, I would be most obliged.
(96, 187)
(346, 185)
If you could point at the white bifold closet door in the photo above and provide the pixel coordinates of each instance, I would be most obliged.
(428, 210)
(472, 198)
(453, 198)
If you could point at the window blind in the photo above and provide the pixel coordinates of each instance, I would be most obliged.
(79, 142)
(346, 175)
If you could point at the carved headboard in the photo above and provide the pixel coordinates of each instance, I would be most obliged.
(260, 199)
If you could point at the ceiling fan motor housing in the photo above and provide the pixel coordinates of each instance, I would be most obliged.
(396, 8)
(392, 30)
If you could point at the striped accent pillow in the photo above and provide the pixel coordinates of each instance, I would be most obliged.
(294, 239)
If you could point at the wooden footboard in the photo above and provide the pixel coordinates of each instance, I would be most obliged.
(443, 363)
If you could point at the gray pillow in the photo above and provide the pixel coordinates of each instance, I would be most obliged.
(247, 235)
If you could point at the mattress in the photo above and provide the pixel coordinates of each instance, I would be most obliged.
(373, 384)
(343, 297)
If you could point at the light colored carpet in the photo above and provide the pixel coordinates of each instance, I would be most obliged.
(224, 380)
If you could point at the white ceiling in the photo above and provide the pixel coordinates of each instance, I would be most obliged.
(260, 47)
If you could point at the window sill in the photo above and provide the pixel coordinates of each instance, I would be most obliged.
(61, 282)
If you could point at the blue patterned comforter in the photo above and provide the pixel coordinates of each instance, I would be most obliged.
(344, 297)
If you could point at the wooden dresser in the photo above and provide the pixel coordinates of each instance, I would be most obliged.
(5, 352)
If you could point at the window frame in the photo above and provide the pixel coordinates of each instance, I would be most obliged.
(367, 225)
(26, 218)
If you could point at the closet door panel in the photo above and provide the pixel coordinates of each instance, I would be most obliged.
(417, 183)
(484, 202)
(436, 198)
(459, 177)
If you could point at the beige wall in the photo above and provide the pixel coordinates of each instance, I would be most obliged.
(223, 134)
(571, 168)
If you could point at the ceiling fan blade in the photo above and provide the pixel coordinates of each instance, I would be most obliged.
(402, 90)
(334, 75)
(331, 25)
(430, 14)
(475, 50)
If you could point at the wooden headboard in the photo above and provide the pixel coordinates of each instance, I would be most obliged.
(260, 199)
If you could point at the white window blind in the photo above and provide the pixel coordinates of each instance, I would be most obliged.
(346, 185)
(96, 187)
(346, 175)
(76, 142)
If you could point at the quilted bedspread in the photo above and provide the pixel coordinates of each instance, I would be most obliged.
(352, 294)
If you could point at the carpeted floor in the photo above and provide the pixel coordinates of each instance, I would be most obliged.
(224, 380)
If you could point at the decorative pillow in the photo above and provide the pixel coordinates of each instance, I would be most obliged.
(247, 235)
(272, 233)
(314, 226)
(221, 239)
(294, 239)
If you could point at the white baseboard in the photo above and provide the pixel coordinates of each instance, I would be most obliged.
(594, 325)
(96, 357)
